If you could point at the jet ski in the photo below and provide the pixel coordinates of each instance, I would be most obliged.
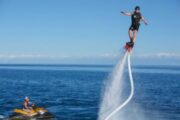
(30, 113)
(37, 113)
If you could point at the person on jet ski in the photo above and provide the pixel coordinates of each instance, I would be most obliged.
(26, 105)
(136, 17)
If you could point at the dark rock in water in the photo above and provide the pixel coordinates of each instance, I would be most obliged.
(45, 116)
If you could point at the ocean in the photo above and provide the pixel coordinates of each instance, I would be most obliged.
(74, 92)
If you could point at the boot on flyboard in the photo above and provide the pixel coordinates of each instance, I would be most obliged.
(129, 46)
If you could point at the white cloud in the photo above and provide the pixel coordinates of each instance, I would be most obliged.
(159, 55)
(30, 56)
(108, 55)
(100, 56)
(168, 55)
(156, 55)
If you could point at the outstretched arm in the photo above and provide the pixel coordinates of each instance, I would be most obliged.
(144, 20)
(126, 13)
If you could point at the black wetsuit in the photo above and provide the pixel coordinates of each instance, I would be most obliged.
(135, 18)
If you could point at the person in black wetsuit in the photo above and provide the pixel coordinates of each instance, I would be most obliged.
(136, 18)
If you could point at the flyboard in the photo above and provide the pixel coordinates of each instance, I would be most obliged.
(128, 47)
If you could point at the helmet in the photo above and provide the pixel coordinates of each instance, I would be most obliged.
(137, 8)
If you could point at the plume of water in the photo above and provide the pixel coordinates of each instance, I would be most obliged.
(113, 89)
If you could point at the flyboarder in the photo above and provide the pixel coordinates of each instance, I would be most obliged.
(136, 18)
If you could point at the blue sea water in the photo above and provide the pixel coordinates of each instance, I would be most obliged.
(73, 92)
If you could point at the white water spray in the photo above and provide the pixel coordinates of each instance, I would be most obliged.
(110, 104)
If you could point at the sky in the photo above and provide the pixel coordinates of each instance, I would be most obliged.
(86, 31)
